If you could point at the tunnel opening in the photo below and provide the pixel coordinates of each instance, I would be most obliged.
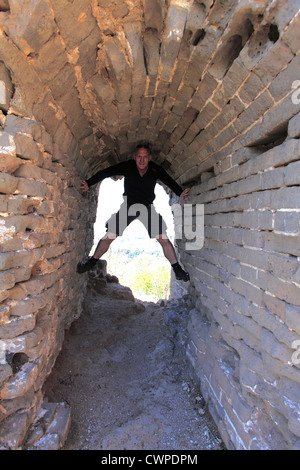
(136, 260)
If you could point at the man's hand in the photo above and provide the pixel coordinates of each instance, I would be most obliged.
(184, 194)
(84, 186)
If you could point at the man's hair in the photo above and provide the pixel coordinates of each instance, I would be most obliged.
(143, 146)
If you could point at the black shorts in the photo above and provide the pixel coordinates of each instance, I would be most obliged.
(153, 222)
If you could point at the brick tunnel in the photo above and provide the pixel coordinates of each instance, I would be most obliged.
(213, 86)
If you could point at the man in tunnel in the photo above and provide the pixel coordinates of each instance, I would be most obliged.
(140, 175)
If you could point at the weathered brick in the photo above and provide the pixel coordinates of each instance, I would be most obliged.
(250, 88)
(8, 183)
(7, 279)
(274, 305)
(173, 32)
(22, 204)
(249, 291)
(286, 221)
(292, 315)
(281, 85)
(273, 347)
(23, 223)
(21, 383)
(294, 126)
(286, 198)
(9, 163)
(30, 188)
(291, 173)
(282, 289)
(277, 156)
(27, 148)
(13, 430)
(273, 62)
(16, 326)
(28, 170)
(273, 178)
(14, 260)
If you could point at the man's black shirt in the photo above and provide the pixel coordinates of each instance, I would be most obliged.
(138, 189)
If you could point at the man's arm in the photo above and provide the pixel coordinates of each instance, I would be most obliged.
(171, 183)
(114, 170)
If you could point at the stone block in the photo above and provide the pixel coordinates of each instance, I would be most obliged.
(22, 125)
(8, 183)
(27, 170)
(15, 326)
(118, 65)
(5, 373)
(275, 348)
(27, 148)
(173, 32)
(250, 89)
(47, 442)
(14, 260)
(286, 221)
(291, 35)
(253, 112)
(75, 21)
(7, 279)
(294, 126)
(22, 26)
(292, 316)
(13, 430)
(281, 243)
(6, 88)
(273, 61)
(154, 14)
(4, 202)
(275, 306)
(252, 293)
(205, 89)
(51, 59)
(151, 45)
(9, 163)
(61, 423)
(20, 383)
(281, 85)
(294, 423)
(283, 290)
(133, 33)
(286, 198)
(88, 51)
(31, 187)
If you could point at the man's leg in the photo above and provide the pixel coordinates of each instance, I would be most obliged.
(101, 248)
(170, 254)
(168, 248)
(104, 245)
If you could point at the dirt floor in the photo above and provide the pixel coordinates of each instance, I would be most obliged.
(127, 385)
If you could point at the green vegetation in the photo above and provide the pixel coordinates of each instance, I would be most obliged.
(146, 273)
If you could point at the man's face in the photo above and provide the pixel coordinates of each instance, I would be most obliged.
(142, 158)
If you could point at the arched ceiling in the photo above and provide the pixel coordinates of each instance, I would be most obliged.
(163, 71)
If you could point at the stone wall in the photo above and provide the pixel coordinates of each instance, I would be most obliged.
(45, 228)
(244, 329)
(243, 334)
